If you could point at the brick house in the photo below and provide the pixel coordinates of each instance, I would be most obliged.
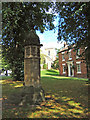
(70, 64)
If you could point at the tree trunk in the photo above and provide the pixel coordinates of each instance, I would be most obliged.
(88, 63)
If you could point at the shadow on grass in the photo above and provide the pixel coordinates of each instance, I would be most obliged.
(75, 89)
(61, 100)
(54, 107)
(11, 97)
(55, 74)
(59, 107)
(52, 72)
(54, 77)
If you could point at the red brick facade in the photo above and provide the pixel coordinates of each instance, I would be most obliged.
(71, 65)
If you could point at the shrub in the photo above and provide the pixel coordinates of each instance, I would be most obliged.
(55, 64)
(45, 66)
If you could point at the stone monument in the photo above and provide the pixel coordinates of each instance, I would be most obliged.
(32, 92)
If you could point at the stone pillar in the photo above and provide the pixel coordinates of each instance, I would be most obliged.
(32, 66)
(32, 92)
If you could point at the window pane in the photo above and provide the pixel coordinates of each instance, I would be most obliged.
(69, 54)
(49, 53)
(62, 56)
(78, 68)
(78, 53)
(63, 68)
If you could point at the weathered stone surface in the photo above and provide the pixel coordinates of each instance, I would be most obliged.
(31, 72)
(32, 38)
(32, 92)
(32, 95)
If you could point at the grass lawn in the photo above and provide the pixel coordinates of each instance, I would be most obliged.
(66, 97)
(5, 77)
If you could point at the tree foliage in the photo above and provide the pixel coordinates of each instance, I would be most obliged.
(18, 19)
(74, 26)
(42, 56)
(73, 22)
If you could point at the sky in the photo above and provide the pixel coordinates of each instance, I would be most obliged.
(49, 38)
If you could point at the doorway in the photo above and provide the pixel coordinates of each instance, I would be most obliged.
(70, 70)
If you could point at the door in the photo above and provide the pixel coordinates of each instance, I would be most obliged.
(70, 70)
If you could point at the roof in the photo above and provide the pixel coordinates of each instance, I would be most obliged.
(49, 48)
(63, 49)
(66, 48)
(32, 38)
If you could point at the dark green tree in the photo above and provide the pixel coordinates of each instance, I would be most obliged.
(4, 66)
(74, 26)
(18, 19)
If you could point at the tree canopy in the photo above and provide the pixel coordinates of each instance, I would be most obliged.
(73, 22)
(74, 26)
(18, 19)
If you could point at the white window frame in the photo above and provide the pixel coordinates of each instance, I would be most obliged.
(70, 58)
(63, 52)
(78, 63)
(77, 53)
(48, 52)
(63, 68)
(64, 56)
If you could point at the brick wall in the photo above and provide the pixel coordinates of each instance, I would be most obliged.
(75, 61)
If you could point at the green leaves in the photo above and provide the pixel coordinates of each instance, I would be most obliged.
(18, 19)
(73, 16)
(76, 26)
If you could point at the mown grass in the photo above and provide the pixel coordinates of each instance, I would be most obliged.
(55, 74)
(5, 77)
(66, 97)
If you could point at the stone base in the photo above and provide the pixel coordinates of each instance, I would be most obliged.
(32, 95)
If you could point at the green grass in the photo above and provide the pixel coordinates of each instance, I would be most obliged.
(66, 97)
(65, 86)
(5, 77)
(55, 74)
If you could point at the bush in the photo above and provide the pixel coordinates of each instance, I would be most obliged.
(55, 64)
(5, 77)
(45, 66)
